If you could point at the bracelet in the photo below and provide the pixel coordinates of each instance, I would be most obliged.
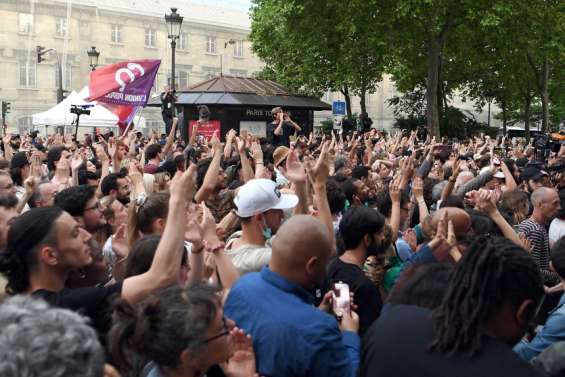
(452, 179)
(259, 162)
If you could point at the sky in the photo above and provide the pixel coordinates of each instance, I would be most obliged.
(242, 5)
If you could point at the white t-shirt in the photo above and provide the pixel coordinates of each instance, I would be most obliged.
(556, 230)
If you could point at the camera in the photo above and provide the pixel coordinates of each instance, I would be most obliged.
(81, 109)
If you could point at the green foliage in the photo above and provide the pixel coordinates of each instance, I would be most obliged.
(488, 51)
(454, 123)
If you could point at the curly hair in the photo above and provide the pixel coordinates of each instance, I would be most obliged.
(40, 341)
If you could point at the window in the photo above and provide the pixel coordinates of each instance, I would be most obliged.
(210, 72)
(238, 49)
(26, 23)
(181, 77)
(238, 72)
(67, 77)
(117, 33)
(62, 27)
(210, 45)
(27, 74)
(183, 41)
(150, 37)
(182, 80)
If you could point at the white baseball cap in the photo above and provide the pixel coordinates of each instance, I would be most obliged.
(260, 195)
(499, 174)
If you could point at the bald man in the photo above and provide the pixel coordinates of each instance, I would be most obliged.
(546, 205)
(291, 337)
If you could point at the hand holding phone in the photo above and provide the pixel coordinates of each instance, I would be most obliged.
(341, 299)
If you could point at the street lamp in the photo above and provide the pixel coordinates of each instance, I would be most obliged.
(228, 42)
(174, 23)
(93, 57)
(40, 50)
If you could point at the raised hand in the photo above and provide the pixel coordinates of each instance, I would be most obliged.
(321, 170)
(242, 360)
(230, 135)
(394, 189)
(208, 225)
(193, 232)
(76, 161)
(183, 185)
(256, 152)
(418, 189)
(215, 141)
(486, 202)
(294, 170)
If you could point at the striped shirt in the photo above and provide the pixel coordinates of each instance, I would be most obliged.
(539, 239)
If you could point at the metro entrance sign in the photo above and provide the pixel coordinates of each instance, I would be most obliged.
(338, 108)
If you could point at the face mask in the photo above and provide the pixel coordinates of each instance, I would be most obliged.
(267, 232)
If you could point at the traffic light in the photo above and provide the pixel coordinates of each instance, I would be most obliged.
(39, 50)
(5, 109)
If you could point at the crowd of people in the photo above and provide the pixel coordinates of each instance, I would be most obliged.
(346, 254)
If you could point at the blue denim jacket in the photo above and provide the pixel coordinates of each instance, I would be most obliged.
(552, 332)
(291, 337)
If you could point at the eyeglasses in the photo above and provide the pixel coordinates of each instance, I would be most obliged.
(225, 331)
(97, 206)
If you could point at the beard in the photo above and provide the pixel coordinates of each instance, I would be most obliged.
(125, 200)
(375, 249)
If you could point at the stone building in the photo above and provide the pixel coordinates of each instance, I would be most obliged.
(120, 30)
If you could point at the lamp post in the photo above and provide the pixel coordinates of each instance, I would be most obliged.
(174, 23)
(42, 51)
(93, 55)
(228, 42)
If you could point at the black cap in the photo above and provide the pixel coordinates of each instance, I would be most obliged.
(532, 173)
(19, 160)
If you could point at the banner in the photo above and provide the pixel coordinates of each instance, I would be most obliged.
(206, 129)
(126, 83)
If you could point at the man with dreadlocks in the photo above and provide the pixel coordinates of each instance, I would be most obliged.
(495, 291)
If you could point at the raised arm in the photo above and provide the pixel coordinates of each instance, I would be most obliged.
(246, 169)
(319, 175)
(448, 189)
(171, 137)
(229, 141)
(165, 267)
(508, 177)
(418, 191)
(395, 195)
(295, 173)
(211, 177)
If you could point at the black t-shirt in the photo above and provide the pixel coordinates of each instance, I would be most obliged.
(93, 302)
(166, 103)
(367, 295)
(278, 140)
(396, 345)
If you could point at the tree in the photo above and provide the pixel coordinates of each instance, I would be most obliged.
(341, 51)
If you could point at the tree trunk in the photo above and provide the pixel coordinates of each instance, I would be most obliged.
(545, 97)
(345, 92)
(363, 101)
(504, 115)
(432, 114)
(527, 105)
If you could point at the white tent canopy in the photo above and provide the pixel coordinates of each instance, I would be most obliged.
(60, 115)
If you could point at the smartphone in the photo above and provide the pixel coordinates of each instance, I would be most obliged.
(341, 299)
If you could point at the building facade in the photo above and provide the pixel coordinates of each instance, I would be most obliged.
(212, 40)
(120, 30)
